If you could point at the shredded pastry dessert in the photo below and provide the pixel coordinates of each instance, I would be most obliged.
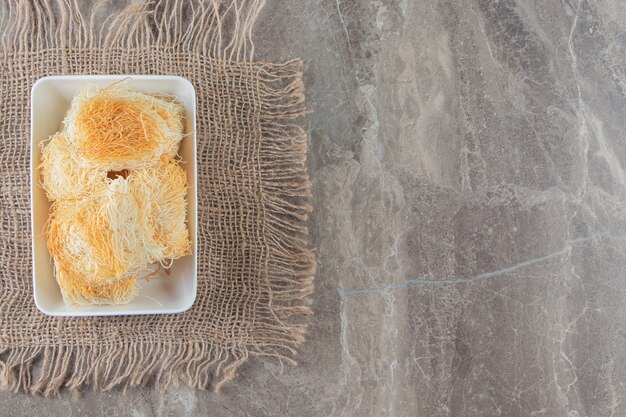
(118, 193)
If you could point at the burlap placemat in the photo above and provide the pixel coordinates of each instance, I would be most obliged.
(255, 268)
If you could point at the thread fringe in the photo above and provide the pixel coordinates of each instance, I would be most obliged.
(219, 29)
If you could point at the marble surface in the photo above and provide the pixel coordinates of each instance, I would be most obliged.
(467, 160)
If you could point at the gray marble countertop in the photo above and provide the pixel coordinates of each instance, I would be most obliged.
(467, 160)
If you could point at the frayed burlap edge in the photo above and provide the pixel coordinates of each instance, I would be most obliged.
(27, 27)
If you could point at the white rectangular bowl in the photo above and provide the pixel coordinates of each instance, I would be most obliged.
(165, 294)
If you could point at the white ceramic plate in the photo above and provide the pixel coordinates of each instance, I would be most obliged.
(173, 293)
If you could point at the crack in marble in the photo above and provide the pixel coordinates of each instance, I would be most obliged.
(370, 132)
(583, 130)
(387, 289)
(345, 27)
(348, 363)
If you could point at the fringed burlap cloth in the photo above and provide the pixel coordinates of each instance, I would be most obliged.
(255, 271)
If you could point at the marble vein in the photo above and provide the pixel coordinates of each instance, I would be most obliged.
(387, 289)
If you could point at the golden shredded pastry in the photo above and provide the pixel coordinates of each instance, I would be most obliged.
(62, 177)
(99, 238)
(162, 190)
(119, 194)
(117, 128)
(76, 292)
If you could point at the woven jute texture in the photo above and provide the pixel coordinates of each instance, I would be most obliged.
(255, 268)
